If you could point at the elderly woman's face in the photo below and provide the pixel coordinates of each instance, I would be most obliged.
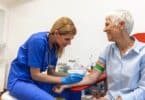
(112, 30)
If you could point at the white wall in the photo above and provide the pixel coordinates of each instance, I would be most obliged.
(3, 62)
(3, 24)
(3, 14)
(88, 15)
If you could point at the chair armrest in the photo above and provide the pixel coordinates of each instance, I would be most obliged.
(103, 77)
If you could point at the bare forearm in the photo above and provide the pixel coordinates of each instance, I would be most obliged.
(47, 78)
(87, 80)
(43, 77)
(60, 74)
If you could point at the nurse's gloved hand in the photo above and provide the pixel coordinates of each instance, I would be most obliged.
(72, 78)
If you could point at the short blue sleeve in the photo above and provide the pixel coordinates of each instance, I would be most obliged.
(103, 55)
(36, 50)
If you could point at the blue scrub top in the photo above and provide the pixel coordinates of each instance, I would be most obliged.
(35, 52)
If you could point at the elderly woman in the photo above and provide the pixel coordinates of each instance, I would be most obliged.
(123, 60)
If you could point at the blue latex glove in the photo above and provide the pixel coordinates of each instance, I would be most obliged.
(72, 78)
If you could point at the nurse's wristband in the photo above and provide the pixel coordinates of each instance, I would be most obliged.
(99, 68)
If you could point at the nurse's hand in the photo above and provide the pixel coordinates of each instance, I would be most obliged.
(72, 78)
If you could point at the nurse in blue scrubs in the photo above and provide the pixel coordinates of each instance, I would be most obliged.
(27, 80)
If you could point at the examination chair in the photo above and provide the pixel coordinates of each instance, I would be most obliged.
(138, 36)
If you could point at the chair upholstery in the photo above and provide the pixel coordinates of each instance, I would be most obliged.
(140, 36)
(79, 88)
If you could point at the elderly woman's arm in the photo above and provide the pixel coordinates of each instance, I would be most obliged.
(87, 80)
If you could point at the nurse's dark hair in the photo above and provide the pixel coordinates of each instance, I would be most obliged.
(65, 26)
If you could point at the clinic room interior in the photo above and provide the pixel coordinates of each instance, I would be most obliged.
(20, 18)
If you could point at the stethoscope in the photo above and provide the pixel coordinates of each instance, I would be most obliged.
(49, 67)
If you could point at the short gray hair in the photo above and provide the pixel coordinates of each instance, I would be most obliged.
(122, 15)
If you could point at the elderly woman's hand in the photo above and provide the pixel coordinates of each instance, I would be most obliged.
(58, 89)
(119, 98)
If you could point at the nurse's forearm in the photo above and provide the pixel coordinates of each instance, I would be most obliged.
(43, 77)
(61, 74)
(47, 78)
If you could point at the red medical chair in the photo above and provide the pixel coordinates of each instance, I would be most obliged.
(101, 78)
(139, 36)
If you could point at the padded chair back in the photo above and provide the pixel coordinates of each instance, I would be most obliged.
(140, 36)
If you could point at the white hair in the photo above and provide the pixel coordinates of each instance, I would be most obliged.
(122, 15)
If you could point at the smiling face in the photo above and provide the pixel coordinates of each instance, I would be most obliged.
(118, 25)
(113, 31)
